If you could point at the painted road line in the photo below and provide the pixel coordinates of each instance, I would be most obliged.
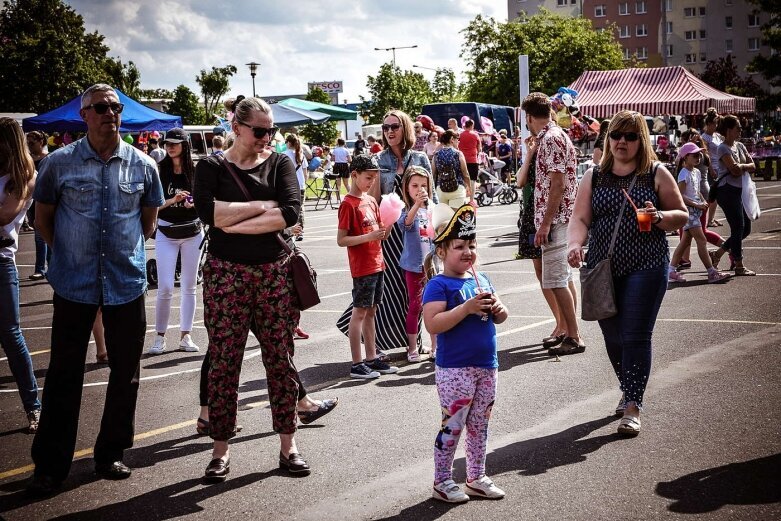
(32, 353)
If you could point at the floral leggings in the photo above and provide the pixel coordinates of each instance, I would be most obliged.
(232, 294)
(466, 395)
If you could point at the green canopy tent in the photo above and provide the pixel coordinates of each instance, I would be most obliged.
(336, 113)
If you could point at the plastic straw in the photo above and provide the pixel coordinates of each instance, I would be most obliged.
(477, 281)
(629, 199)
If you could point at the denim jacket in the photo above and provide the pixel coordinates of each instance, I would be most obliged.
(417, 243)
(98, 251)
(388, 166)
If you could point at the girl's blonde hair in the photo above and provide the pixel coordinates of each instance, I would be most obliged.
(15, 159)
(411, 172)
(630, 121)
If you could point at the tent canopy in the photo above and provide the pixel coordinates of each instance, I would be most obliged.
(135, 118)
(662, 90)
(336, 113)
(285, 116)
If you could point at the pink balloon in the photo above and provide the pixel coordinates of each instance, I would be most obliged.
(426, 121)
(439, 130)
(464, 119)
(390, 209)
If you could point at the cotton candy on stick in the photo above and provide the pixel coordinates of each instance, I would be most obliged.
(390, 209)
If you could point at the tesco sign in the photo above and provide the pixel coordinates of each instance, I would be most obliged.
(329, 87)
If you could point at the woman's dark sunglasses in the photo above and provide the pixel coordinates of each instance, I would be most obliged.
(260, 132)
(101, 108)
(629, 136)
(393, 126)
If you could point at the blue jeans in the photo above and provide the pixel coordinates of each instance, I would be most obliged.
(730, 198)
(11, 336)
(43, 254)
(628, 334)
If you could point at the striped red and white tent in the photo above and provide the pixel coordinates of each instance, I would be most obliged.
(662, 90)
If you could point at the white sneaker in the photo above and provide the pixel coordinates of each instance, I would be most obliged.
(449, 492)
(158, 347)
(484, 487)
(187, 344)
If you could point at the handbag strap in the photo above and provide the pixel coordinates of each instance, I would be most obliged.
(618, 220)
(227, 164)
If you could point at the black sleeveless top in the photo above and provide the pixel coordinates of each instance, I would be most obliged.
(634, 251)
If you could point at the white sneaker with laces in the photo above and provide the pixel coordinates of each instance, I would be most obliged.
(187, 344)
(449, 492)
(158, 347)
(484, 487)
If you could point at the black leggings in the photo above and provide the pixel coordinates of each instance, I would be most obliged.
(203, 393)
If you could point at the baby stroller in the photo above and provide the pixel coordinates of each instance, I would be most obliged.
(491, 187)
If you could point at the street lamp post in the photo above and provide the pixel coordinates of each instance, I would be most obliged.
(253, 69)
(393, 49)
(422, 67)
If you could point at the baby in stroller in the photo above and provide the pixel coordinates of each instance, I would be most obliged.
(491, 187)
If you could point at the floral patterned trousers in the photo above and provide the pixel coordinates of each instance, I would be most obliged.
(233, 293)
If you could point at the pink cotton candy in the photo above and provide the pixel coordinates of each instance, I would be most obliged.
(430, 227)
(390, 209)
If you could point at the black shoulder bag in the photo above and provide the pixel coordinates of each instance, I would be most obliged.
(597, 295)
(304, 275)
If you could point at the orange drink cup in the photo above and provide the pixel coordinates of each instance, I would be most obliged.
(643, 220)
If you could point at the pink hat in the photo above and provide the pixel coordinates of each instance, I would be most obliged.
(689, 148)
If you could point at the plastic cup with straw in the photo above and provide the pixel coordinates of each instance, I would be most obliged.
(484, 318)
(643, 217)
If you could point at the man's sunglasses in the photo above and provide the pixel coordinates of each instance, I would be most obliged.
(101, 108)
(629, 136)
(393, 126)
(260, 132)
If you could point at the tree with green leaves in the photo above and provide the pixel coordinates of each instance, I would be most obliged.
(155, 94)
(48, 57)
(214, 85)
(125, 77)
(444, 87)
(559, 48)
(324, 133)
(723, 74)
(393, 88)
(769, 66)
(186, 105)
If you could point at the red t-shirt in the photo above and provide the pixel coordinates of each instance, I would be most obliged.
(469, 144)
(376, 148)
(359, 216)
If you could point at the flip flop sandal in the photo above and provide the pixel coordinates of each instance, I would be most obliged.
(629, 426)
(202, 427)
(101, 359)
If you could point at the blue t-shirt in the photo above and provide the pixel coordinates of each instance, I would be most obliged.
(472, 342)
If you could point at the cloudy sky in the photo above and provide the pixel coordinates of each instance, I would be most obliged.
(295, 41)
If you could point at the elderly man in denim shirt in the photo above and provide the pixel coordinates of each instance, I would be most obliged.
(97, 202)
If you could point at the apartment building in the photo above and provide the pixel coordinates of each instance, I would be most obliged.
(532, 7)
(637, 26)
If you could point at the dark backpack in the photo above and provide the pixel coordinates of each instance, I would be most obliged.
(446, 177)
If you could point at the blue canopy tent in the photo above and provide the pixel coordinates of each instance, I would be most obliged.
(135, 118)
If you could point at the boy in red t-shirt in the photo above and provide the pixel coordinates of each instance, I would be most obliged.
(360, 230)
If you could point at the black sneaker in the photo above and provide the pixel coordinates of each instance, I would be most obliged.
(380, 366)
(362, 371)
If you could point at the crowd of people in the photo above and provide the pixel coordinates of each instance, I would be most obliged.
(417, 272)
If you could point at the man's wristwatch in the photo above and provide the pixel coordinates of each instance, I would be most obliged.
(659, 217)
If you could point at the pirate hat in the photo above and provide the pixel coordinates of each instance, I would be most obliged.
(461, 224)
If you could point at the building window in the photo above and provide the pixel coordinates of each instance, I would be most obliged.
(691, 58)
(669, 50)
(668, 4)
(728, 22)
(642, 53)
(669, 28)
(703, 34)
(703, 57)
(753, 20)
(690, 35)
(626, 53)
(688, 12)
(624, 32)
(702, 11)
(600, 11)
(561, 3)
(623, 8)
(640, 8)
(728, 45)
(640, 30)
(753, 44)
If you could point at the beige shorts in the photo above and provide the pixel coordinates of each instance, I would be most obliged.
(455, 199)
(556, 272)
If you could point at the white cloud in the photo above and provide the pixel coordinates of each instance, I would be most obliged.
(296, 41)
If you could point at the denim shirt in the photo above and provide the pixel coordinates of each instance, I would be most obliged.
(388, 166)
(98, 251)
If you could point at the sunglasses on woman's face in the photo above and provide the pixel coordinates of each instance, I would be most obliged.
(101, 108)
(628, 136)
(260, 132)
(393, 126)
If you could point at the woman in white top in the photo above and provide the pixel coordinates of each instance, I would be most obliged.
(712, 140)
(296, 155)
(432, 145)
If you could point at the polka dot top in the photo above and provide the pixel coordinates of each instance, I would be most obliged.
(634, 251)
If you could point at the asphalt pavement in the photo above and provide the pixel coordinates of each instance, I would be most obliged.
(710, 446)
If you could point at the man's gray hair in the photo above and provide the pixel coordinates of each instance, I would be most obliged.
(86, 97)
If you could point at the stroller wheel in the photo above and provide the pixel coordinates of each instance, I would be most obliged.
(513, 195)
(151, 271)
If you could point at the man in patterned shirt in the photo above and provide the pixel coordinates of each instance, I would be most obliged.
(554, 197)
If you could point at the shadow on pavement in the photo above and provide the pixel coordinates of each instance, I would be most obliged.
(750, 482)
(528, 458)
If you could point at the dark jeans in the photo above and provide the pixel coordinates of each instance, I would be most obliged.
(628, 334)
(55, 441)
(43, 254)
(730, 199)
(11, 338)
